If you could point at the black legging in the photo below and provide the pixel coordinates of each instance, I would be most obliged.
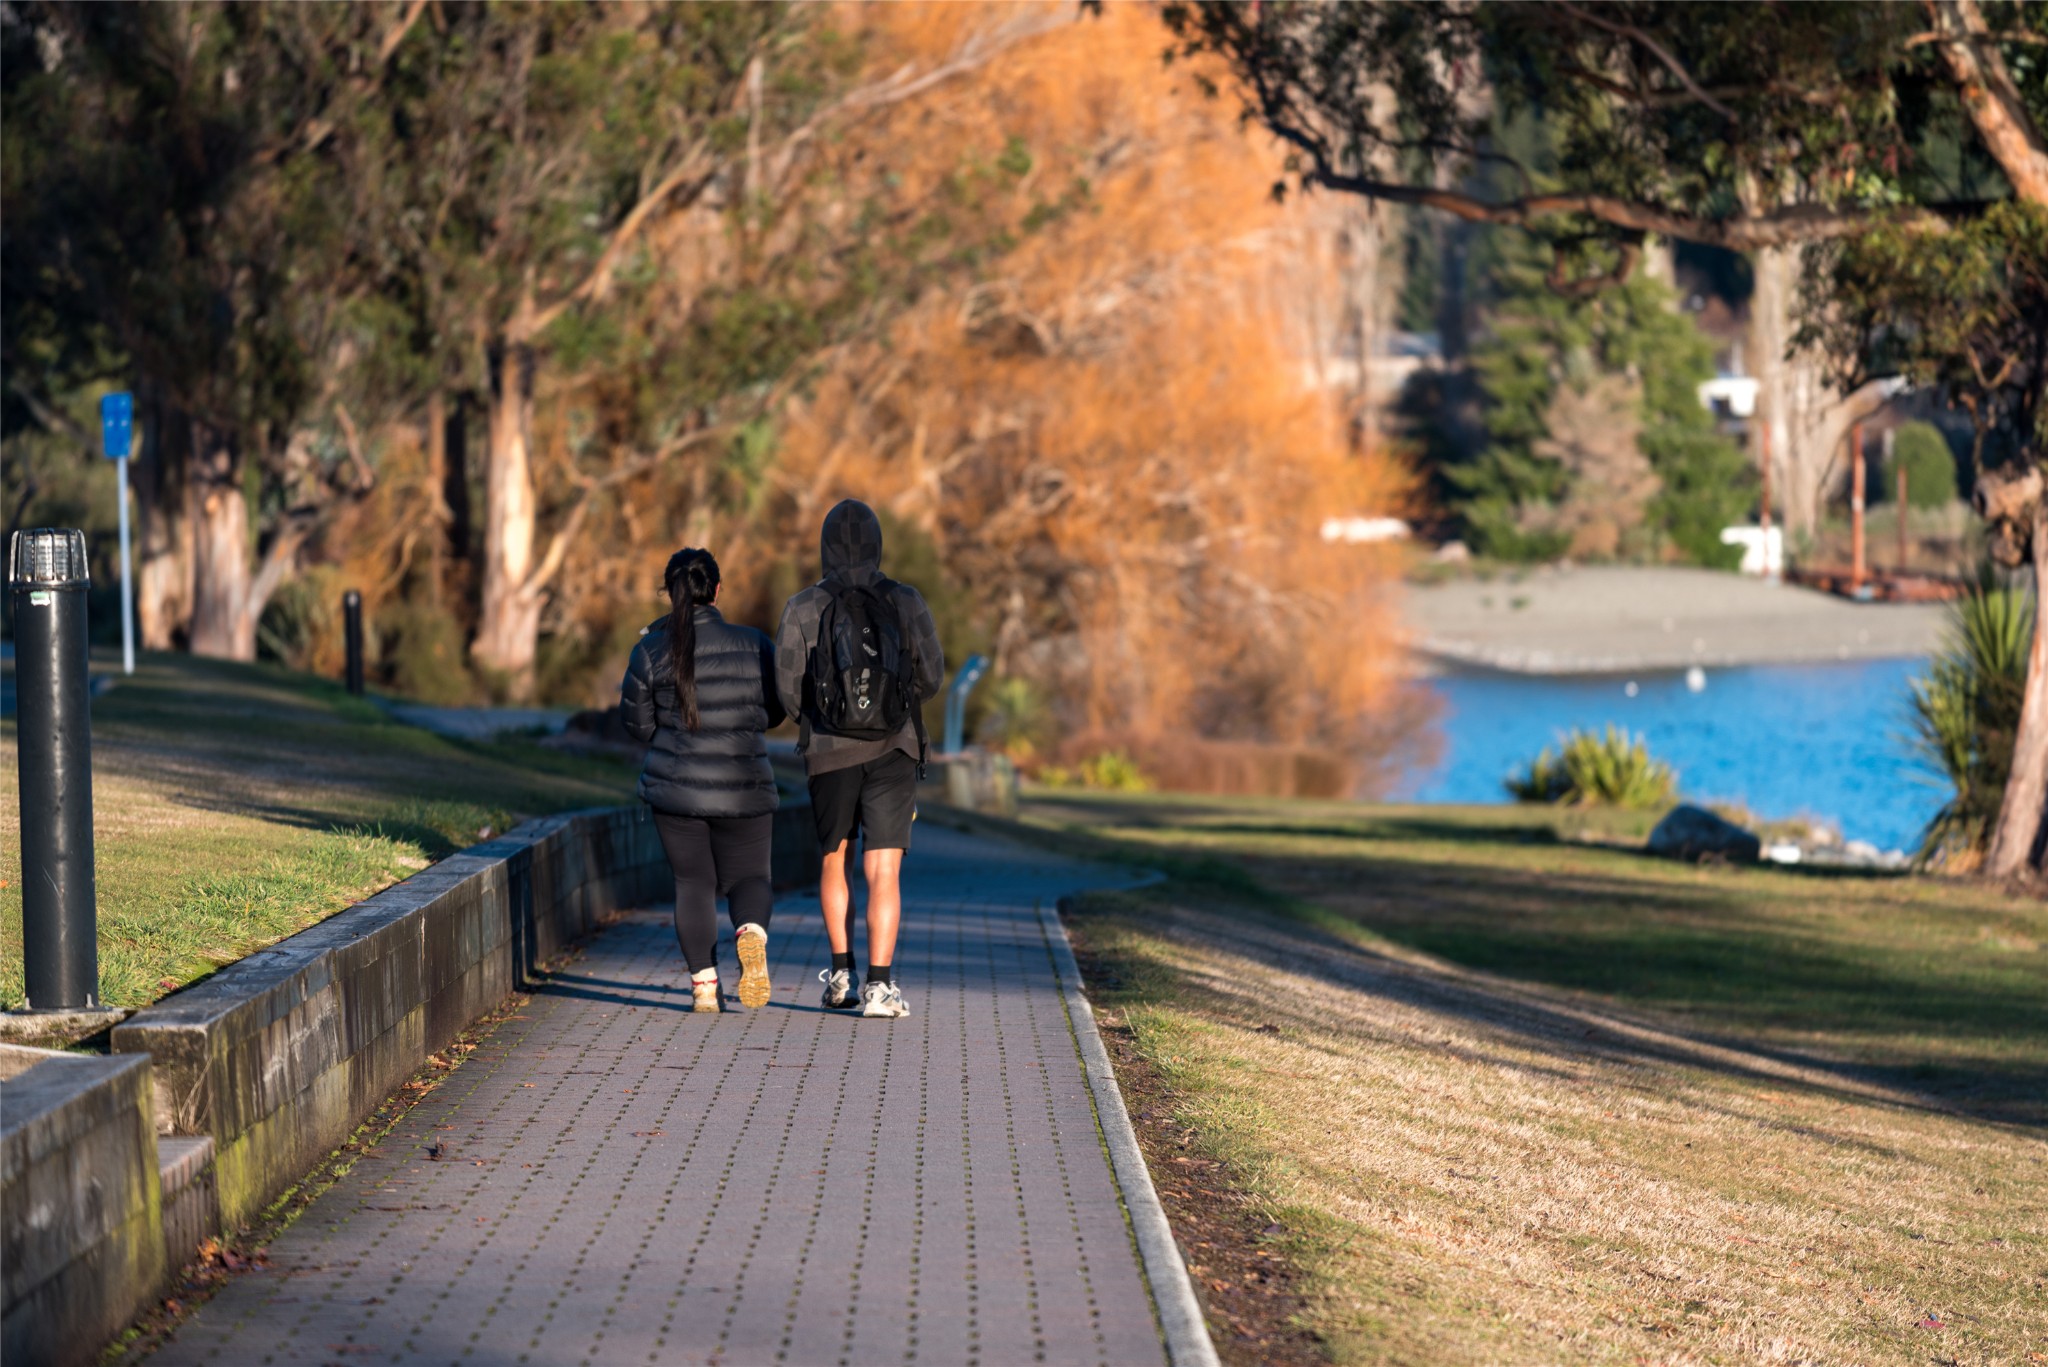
(714, 856)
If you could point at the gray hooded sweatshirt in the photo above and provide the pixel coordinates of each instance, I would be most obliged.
(850, 548)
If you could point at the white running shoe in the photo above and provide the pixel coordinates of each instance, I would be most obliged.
(842, 988)
(883, 1000)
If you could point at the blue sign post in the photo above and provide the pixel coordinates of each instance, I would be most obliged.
(117, 433)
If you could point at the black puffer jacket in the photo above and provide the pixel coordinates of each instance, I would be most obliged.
(721, 768)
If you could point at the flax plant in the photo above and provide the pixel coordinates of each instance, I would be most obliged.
(1965, 714)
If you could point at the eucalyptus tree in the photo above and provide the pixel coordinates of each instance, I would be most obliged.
(607, 195)
(1966, 312)
(1761, 128)
(175, 218)
(523, 152)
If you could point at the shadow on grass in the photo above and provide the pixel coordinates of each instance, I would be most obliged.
(1733, 963)
(1402, 828)
(1570, 1034)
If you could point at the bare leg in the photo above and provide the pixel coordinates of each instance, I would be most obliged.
(884, 870)
(836, 899)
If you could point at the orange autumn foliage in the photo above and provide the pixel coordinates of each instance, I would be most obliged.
(1115, 434)
(1099, 393)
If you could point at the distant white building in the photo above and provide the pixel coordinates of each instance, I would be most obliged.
(1360, 530)
(1730, 396)
(1763, 552)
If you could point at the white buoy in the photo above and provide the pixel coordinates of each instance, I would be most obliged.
(1695, 680)
(1630, 689)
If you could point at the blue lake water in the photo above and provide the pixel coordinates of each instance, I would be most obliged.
(1824, 740)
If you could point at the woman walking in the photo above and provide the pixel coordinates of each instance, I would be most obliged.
(701, 692)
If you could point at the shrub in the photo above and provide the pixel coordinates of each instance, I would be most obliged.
(1615, 768)
(1708, 485)
(1017, 721)
(1544, 781)
(1611, 768)
(421, 648)
(1930, 466)
(301, 624)
(1965, 715)
(1112, 771)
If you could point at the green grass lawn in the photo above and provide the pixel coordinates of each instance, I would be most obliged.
(236, 804)
(1508, 1096)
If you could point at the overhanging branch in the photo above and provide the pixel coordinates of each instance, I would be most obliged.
(1785, 226)
(1656, 49)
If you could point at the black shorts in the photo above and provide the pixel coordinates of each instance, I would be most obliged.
(879, 799)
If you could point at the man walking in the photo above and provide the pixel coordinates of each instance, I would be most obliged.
(856, 657)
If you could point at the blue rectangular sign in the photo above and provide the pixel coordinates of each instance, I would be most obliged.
(117, 424)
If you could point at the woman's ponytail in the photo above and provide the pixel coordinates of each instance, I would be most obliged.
(692, 581)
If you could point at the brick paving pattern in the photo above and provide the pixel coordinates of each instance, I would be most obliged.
(612, 1179)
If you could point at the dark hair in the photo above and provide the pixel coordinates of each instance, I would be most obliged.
(691, 579)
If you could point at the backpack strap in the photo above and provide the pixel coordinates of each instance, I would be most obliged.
(822, 667)
(906, 674)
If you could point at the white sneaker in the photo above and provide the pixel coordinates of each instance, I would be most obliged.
(883, 1000)
(842, 988)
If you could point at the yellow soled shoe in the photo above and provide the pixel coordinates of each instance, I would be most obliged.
(753, 950)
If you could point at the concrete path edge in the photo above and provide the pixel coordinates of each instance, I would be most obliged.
(1173, 1291)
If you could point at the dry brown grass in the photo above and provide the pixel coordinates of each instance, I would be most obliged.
(1484, 1167)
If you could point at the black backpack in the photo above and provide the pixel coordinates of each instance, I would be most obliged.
(863, 667)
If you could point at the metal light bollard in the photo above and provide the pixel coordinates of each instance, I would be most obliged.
(47, 580)
(352, 640)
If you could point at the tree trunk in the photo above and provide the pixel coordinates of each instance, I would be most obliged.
(222, 623)
(1786, 391)
(163, 553)
(455, 476)
(508, 629)
(2015, 842)
(1808, 416)
(1361, 253)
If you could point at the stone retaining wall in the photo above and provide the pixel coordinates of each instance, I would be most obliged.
(82, 1239)
(279, 1056)
(220, 1097)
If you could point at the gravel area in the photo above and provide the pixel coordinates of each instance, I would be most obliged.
(1611, 619)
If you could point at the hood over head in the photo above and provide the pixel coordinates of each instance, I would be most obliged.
(850, 547)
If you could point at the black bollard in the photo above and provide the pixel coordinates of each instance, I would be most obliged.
(47, 580)
(352, 634)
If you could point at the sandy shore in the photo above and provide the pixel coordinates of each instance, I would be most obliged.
(1615, 619)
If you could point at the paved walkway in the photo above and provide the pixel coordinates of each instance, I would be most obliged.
(611, 1179)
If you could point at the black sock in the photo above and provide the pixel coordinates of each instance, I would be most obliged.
(878, 973)
(842, 963)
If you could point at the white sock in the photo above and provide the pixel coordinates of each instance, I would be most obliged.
(753, 928)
